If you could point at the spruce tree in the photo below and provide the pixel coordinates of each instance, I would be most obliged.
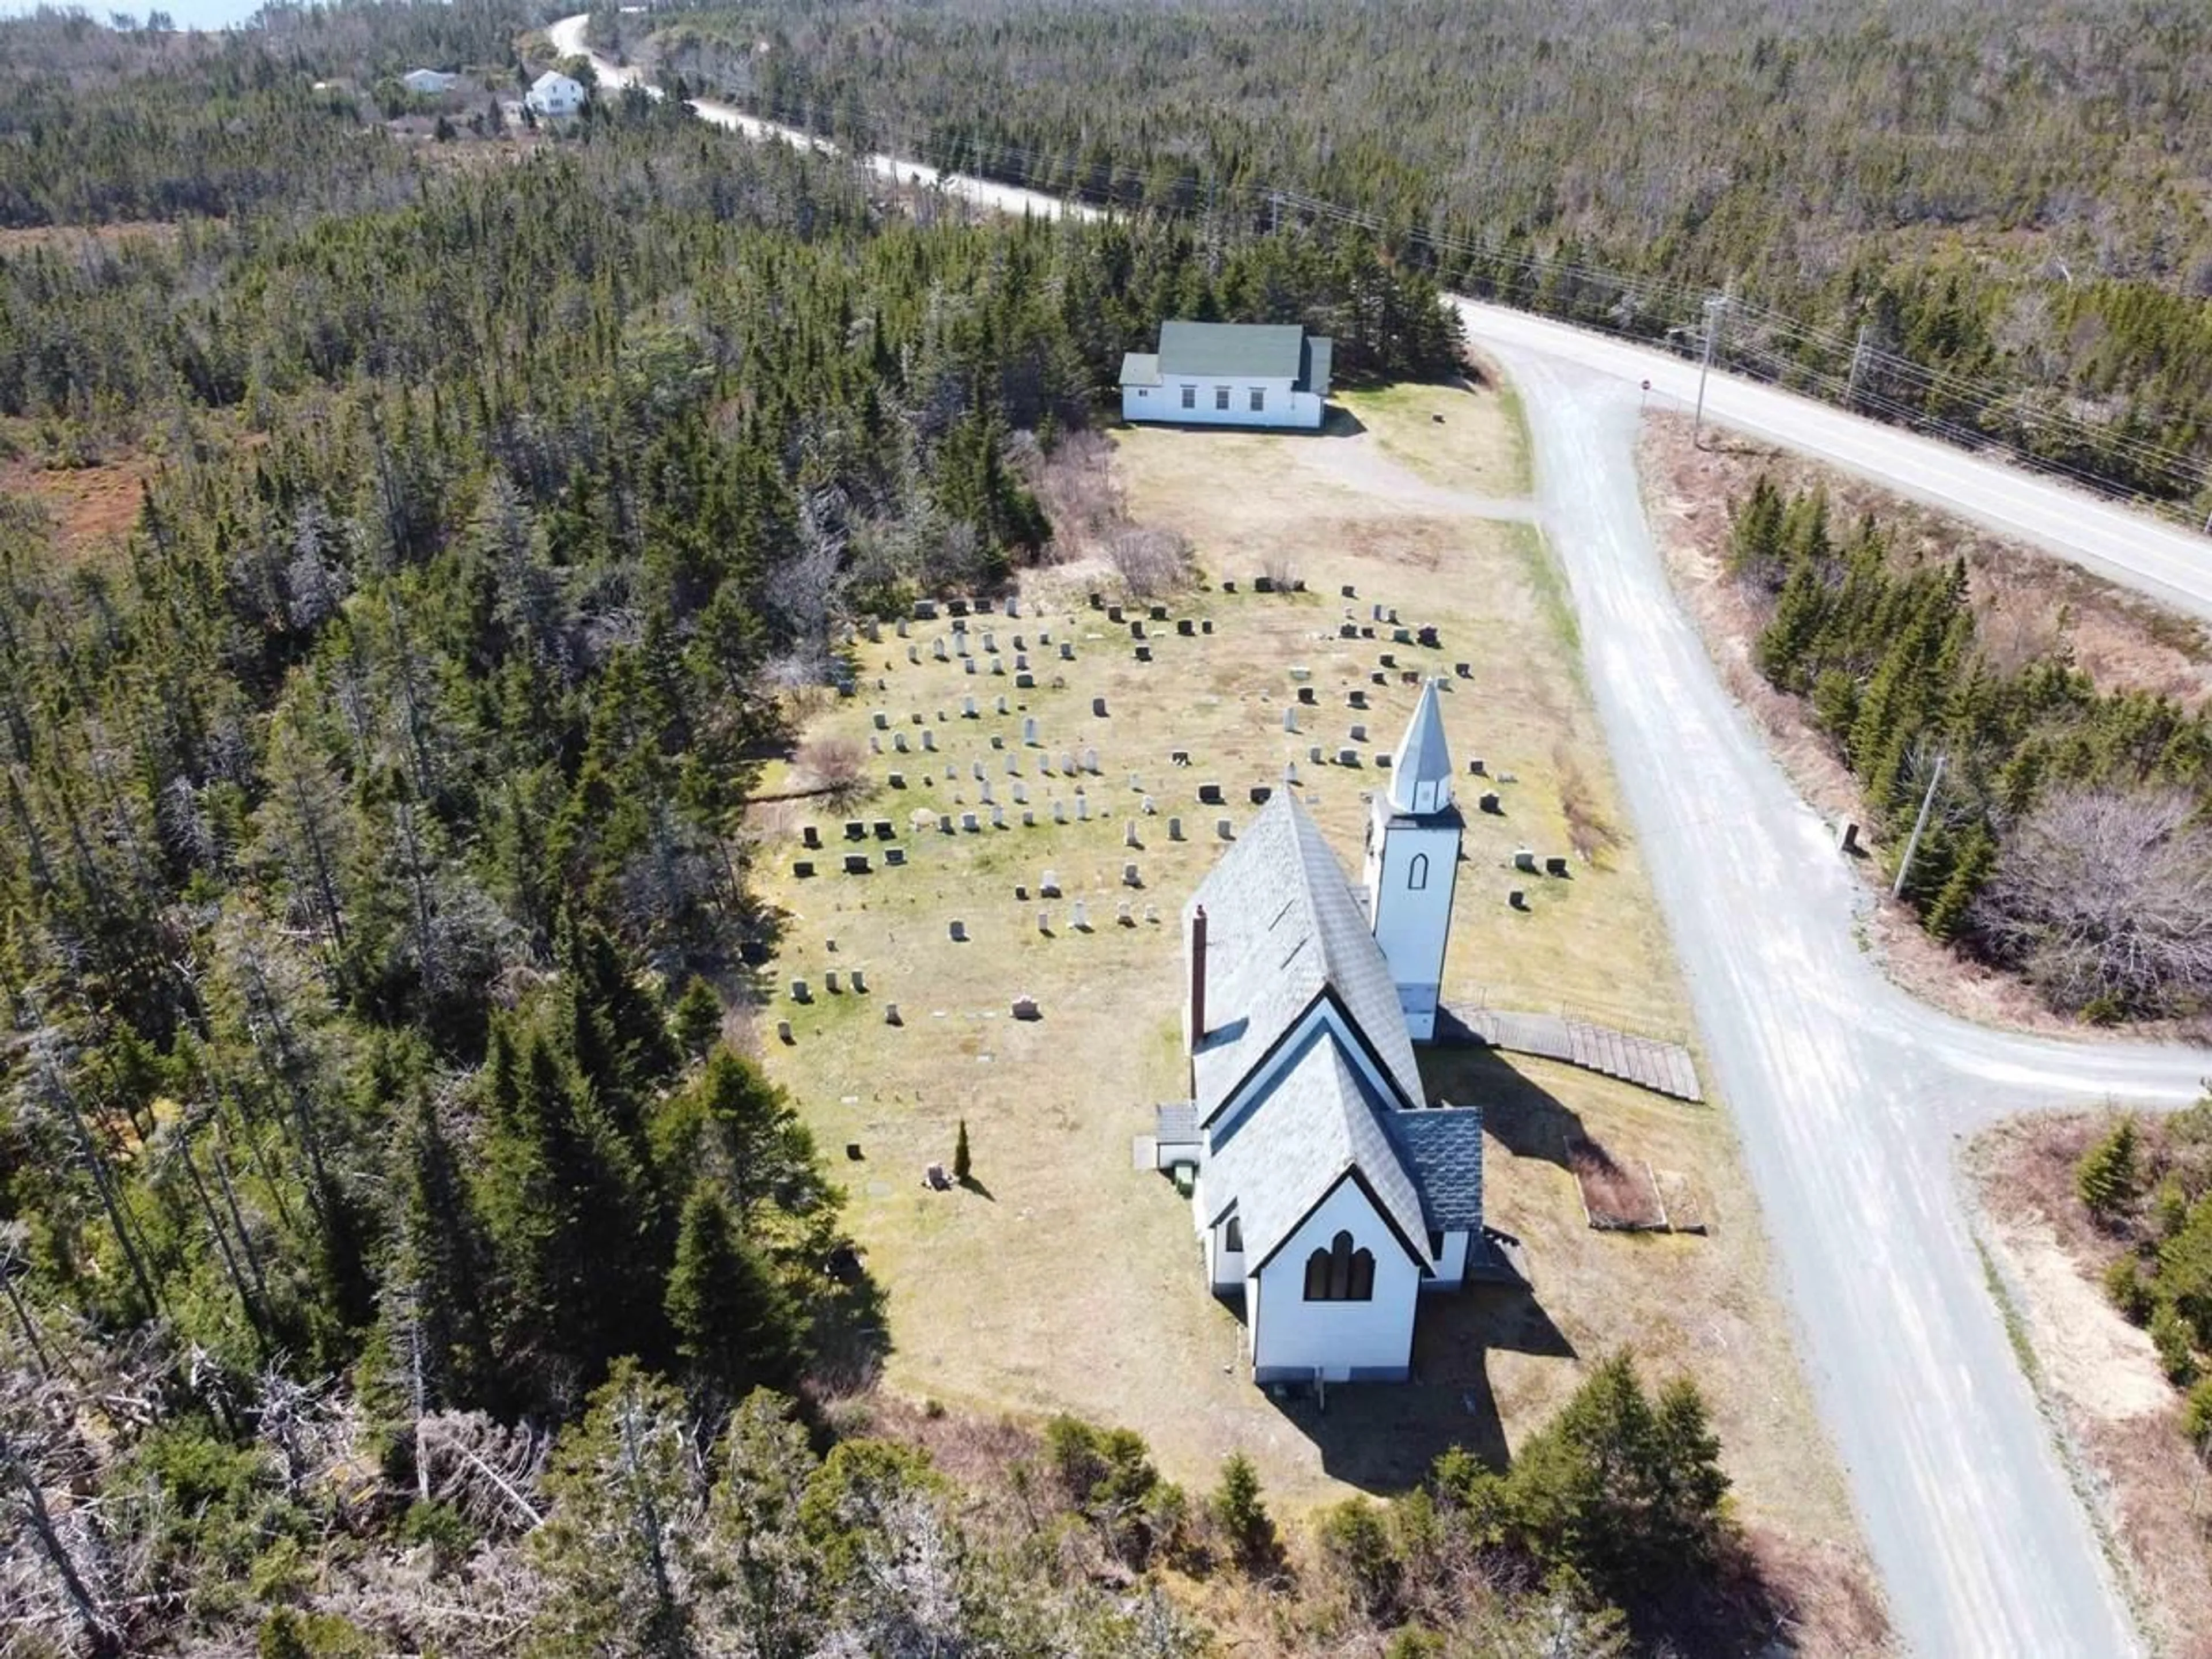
(735, 1325)
(960, 1160)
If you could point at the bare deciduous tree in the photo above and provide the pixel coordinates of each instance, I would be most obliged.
(2105, 901)
(836, 766)
(1149, 561)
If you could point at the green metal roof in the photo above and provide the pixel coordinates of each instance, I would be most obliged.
(1260, 351)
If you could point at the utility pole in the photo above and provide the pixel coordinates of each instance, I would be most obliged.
(1716, 305)
(1912, 846)
(1859, 360)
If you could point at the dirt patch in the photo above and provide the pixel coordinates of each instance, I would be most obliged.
(2098, 1376)
(1618, 1197)
(24, 238)
(93, 508)
(2025, 602)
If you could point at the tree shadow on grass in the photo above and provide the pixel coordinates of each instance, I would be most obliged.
(852, 1326)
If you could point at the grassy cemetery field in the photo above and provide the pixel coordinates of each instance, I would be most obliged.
(1065, 1279)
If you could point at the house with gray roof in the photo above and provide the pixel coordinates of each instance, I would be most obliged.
(1329, 1195)
(1270, 374)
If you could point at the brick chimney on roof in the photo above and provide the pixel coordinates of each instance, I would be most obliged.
(1197, 977)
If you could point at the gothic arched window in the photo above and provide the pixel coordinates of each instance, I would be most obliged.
(1417, 872)
(1340, 1273)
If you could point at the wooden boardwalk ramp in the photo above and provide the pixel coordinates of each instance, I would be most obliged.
(1663, 1067)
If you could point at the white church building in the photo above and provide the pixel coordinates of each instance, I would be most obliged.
(1327, 1191)
(1271, 375)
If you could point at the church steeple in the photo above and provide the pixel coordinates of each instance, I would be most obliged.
(1413, 864)
(1421, 776)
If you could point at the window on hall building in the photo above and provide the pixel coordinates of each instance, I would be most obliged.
(1232, 1236)
(1221, 397)
(1190, 396)
(1417, 872)
(1340, 1273)
(1259, 399)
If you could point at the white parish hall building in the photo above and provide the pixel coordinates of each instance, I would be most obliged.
(1229, 374)
(1328, 1194)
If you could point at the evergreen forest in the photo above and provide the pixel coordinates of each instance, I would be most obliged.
(2060, 828)
(1987, 221)
(397, 1253)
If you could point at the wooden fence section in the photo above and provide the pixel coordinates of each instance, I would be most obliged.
(1664, 1068)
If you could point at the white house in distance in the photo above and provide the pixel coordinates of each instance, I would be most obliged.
(554, 95)
(428, 83)
(1229, 374)
(1327, 1191)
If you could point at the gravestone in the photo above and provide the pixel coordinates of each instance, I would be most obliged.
(1113, 613)
(967, 708)
(1524, 859)
(1079, 916)
(810, 835)
(1358, 733)
(883, 720)
(832, 982)
(1209, 794)
(1491, 804)
(1148, 807)
(899, 743)
(1090, 762)
(1224, 830)
(1260, 793)
(1082, 806)
(894, 856)
(913, 651)
(997, 740)
(1401, 637)
(856, 830)
(983, 792)
(1464, 670)
(1175, 829)
(1021, 666)
(1378, 677)
(1130, 878)
(1048, 885)
(1024, 682)
(1355, 698)
(1291, 721)
(1555, 866)
(991, 643)
(958, 931)
(884, 830)
(1308, 696)
(944, 823)
(891, 1014)
(1205, 624)
(902, 627)
(1136, 630)
(1066, 651)
(1290, 772)
(800, 992)
(936, 649)
(1144, 653)
(999, 667)
(928, 741)
(1517, 899)
(1314, 755)
(997, 817)
(783, 1032)
(969, 665)
(1185, 627)
(1428, 638)
(969, 824)
(1098, 707)
(860, 984)
(1029, 730)
(1021, 794)
(1129, 837)
(1013, 763)
(1388, 659)
(1121, 915)
(1474, 766)
(1025, 1008)
(802, 868)
(856, 864)
(1347, 758)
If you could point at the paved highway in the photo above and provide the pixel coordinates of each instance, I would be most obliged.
(1849, 1096)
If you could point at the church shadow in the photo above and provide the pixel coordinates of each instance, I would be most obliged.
(1518, 1113)
(1338, 422)
(1384, 1438)
(851, 1334)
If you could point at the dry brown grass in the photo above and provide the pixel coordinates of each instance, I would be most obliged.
(2020, 596)
(1618, 1196)
(1068, 1281)
(2099, 1374)
(93, 508)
